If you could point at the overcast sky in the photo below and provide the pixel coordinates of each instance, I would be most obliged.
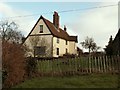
(98, 23)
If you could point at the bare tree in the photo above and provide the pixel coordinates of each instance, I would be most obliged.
(95, 48)
(89, 44)
(13, 60)
(8, 32)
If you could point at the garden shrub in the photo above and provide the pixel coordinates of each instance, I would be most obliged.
(13, 64)
(31, 66)
(67, 55)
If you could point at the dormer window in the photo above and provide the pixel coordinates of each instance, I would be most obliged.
(41, 28)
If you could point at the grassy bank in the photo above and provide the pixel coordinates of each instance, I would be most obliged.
(83, 81)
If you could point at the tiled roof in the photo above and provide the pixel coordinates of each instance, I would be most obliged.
(59, 33)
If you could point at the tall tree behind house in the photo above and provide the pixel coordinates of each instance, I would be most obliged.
(113, 47)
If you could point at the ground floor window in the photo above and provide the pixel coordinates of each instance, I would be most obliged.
(66, 50)
(39, 50)
(57, 51)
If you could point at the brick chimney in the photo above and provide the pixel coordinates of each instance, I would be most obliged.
(56, 20)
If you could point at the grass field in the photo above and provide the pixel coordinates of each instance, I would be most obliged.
(83, 81)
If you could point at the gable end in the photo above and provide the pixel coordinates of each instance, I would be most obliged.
(41, 17)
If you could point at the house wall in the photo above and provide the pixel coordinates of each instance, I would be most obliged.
(61, 45)
(45, 40)
(40, 39)
(71, 47)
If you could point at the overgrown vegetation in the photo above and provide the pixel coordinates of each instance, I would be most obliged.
(31, 67)
(13, 64)
(15, 67)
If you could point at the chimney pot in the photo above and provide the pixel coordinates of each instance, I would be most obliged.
(65, 28)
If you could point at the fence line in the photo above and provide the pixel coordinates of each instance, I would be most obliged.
(80, 65)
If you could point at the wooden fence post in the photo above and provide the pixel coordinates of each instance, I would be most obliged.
(117, 64)
(70, 66)
(104, 61)
(52, 66)
(107, 64)
(100, 70)
(110, 63)
(74, 66)
(114, 62)
(95, 70)
(86, 65)
(94, 64)
(81, 65)
(90, 64)
(99, 64)
(91, 61)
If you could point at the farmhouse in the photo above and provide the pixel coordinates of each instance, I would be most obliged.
(47, 39)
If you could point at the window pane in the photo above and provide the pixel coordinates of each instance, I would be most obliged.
(57, 40)
(40, 50)
(41, 28)
(57, 51)
(66, 42)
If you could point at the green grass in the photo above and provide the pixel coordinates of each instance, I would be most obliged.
(83, 81)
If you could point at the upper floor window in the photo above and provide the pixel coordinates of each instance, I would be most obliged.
(41, 28)
(57, 40)
(66, 42)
